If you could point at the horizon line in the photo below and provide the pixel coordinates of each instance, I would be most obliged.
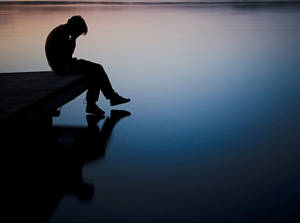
(172, 2)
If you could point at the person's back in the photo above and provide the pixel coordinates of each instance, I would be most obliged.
(59, 49)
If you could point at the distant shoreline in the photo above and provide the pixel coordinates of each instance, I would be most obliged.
(147, 3)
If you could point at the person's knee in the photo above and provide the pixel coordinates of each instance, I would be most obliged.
(100, 68)
(97, 74)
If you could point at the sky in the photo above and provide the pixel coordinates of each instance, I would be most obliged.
(155, 0)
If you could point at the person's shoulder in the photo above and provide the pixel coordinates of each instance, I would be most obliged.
(58, 34)
(61, 29)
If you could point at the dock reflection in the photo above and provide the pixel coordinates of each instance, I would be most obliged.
(48, 163)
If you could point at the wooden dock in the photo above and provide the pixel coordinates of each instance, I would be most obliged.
(25, 97)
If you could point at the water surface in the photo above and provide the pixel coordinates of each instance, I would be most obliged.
(214, 129)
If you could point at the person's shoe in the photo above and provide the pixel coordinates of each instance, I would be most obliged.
(117, 115)
(94, 109)
(117, 99)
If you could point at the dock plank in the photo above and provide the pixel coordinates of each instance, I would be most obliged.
(26, 96)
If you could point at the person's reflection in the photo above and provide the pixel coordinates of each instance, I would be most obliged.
(64, 176)
(90, 146)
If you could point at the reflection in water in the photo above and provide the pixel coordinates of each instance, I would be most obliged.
(52, 164)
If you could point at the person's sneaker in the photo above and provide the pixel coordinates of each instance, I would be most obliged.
(94, 109)
(117, 99)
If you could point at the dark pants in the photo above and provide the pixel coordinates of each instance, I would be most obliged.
(97, 78)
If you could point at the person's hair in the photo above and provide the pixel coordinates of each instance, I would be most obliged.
(78, 23)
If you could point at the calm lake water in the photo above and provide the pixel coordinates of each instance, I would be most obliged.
(214, 131)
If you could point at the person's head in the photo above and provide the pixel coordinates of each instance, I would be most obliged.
(77, 26)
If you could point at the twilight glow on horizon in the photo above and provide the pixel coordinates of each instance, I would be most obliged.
(196, 1)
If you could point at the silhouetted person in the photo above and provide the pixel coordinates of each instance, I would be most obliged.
(60, 45)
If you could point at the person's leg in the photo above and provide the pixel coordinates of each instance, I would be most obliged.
(98, 80)
(95, 82)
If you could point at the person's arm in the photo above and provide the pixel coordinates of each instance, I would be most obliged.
(70, 47)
